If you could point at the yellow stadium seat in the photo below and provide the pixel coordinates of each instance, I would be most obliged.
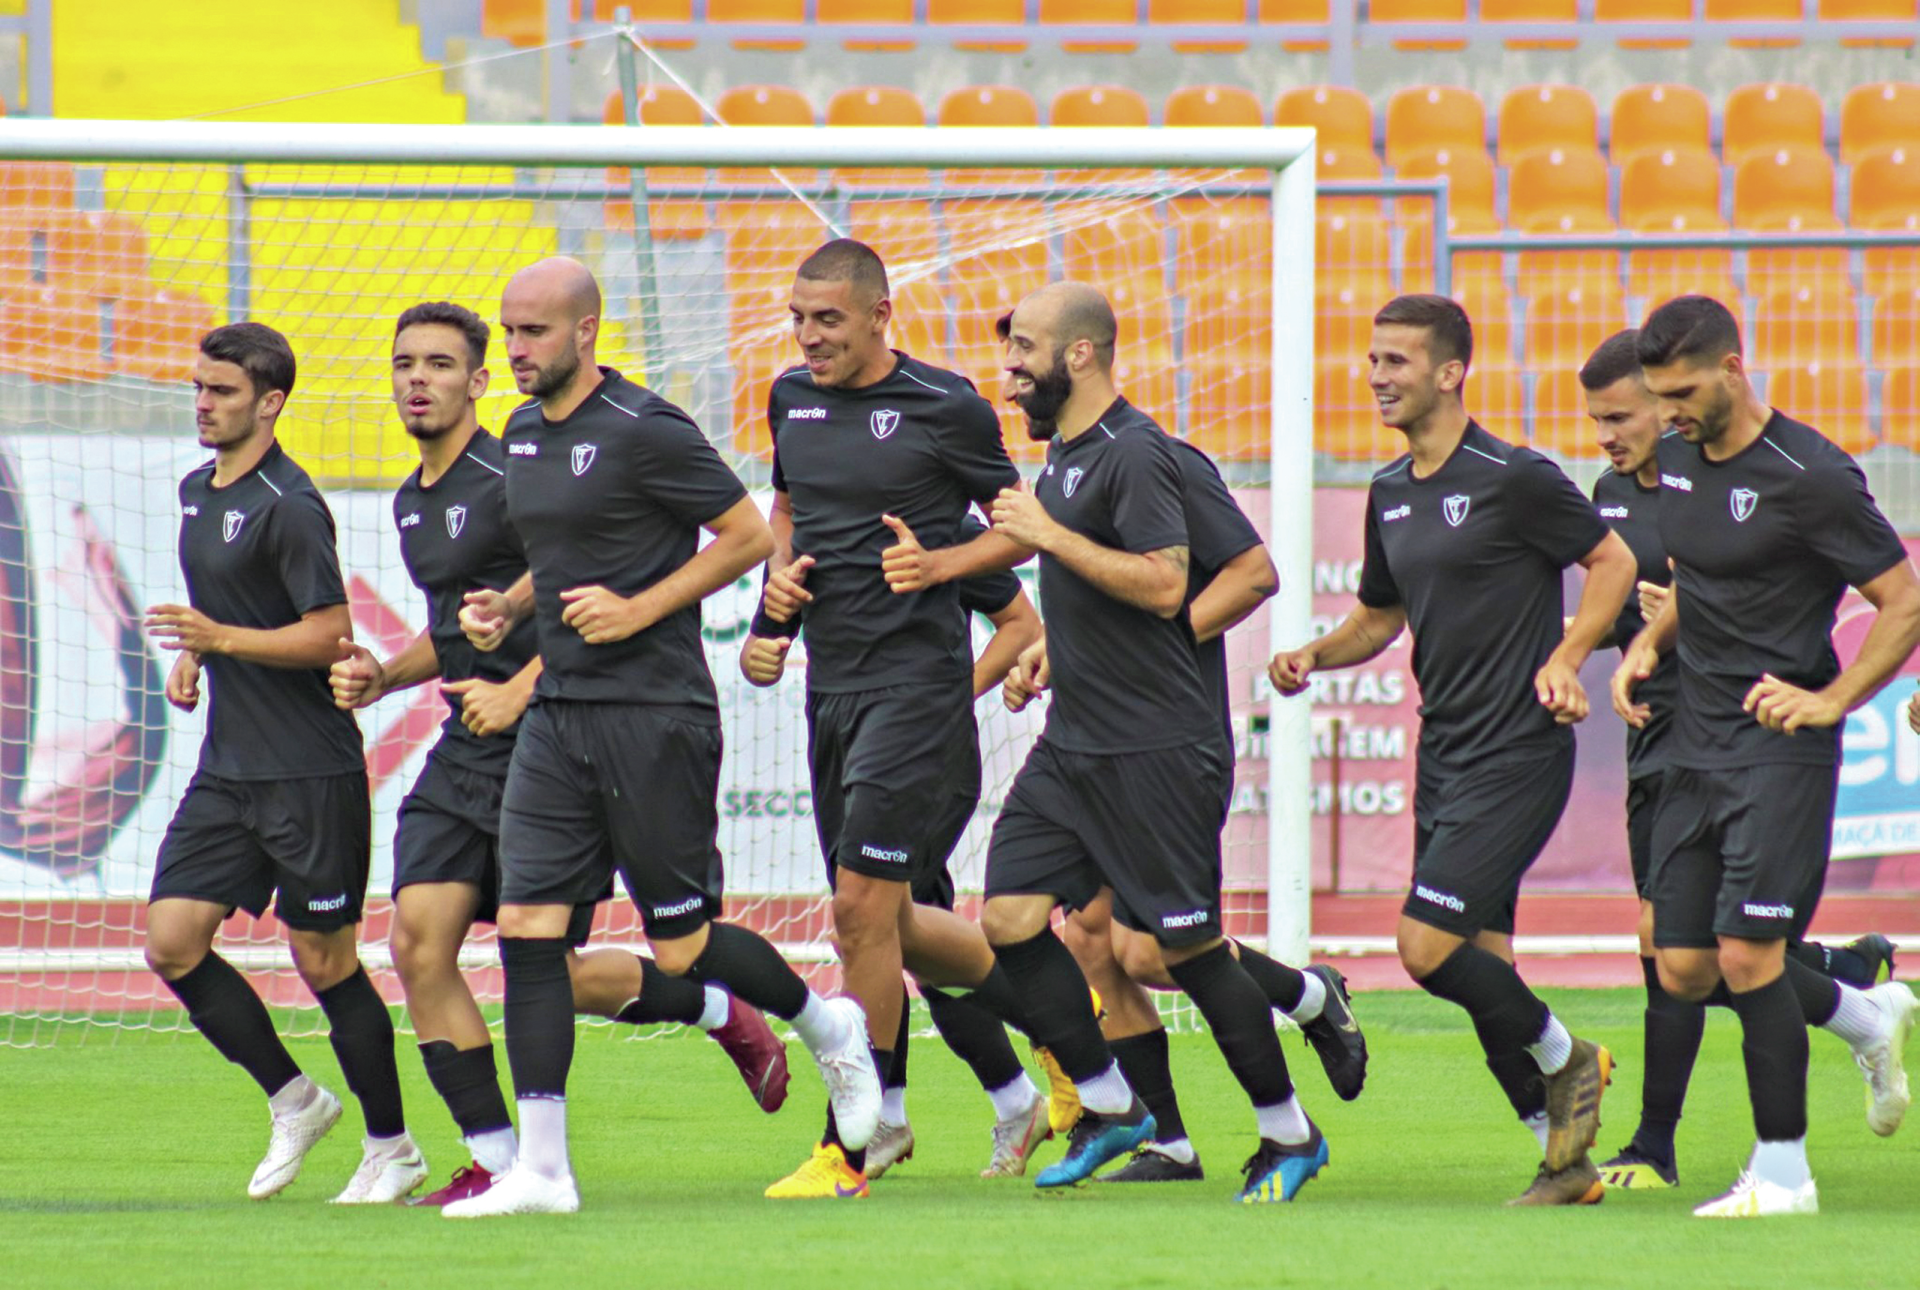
(1814, 322)
(1829, 396)
(1769, 116)
(1882, 115)
(1427, 118)
(1670, 181)
(1566, 323)
(1343, 116)
(1538, 118)
(1655, 118)
(1555, 182)
(1786, 181)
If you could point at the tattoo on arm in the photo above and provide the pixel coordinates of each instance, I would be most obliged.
(1175, 556)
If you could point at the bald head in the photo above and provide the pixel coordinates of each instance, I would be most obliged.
(1069, 312)
(561, 283)
(550, 318)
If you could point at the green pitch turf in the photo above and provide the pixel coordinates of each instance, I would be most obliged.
(124, 1162)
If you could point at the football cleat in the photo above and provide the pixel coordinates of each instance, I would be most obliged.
(853, 1085)
(1883, 1062)
(1095, 1140)
(1578, 1184)
(1877, 950)
(1573, 1103)
(757, 1051)
(468, 1180)
(293, 1136)
(1015, 1139)
(1063, 1098)
(518, 1191)
(892, 1145)
(1634, 1170)
(1753, 1197)
(385, 1174)
(826, 1175)
(1335, 1036)
(1277, 1171)
(1151, 1164)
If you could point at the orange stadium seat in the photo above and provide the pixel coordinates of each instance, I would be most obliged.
(1107, 241)
(1000, 13)
(1655, 276)
(989, 106)
(755, 365)
(96, 253)
(764, 241)
(1654, 118)
(1815, 322)
(1770, 269)
(1885, 184)
(1215, 239)
(1118, 14)
(1347, 163)
(1769, 116)
(1496, 398)
(999, 241)
(1670, 181)
(1896, 326)
(1598, 270)
(1098, 106)
(1675, 11)
(1829, 396)
(1430, 117)
(1786, 181)
(1469, 172)
(1418, 251)
(876, 106)
(1757, 11)
(51, 334)
(1886, 268)
(769, 105)
(1537, 118)
(1844, 11)
(1343, 311)
(1558, 181)
(920, 314)
(870, 13)
(1346, 417)
(1532, 11)
(902, 231)
(1343, 116)
(1490, 310)
(1900, 407)
(760, 11)
(1145, 377)
(155, 337)
(1229, 405)
(1230, 320)
(1194, 105)
(1352, 246)
(42, 185)
(22, 260)
(1560, 422)
(1884, 115)
(1387, 12)
(659, 104)
(1181, 12)
(1565, 324)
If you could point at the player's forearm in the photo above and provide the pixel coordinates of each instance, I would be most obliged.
(1243, 584)
(1150, 582)
(990, 552)
(416, 663)
(780, 524)
(736, 550)
(1663, 631)
(313, 642)
(1362, 636)
(1003, 651)
(1889, 644)
(520, 598)
(523, 681)
(1609, 582)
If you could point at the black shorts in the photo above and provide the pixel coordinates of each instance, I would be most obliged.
(449, 831)
(238, 842)
(880, 762)
(1741, 852)
(1146, 824)
(600, 787)
(1643, 799)
(1476, 833)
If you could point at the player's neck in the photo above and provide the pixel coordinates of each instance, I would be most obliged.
(1648, 476)
(1084, 407)
(1434, 437)
(235, 460)
(585, 381)
(438, 454)
(873, 370)
(1750, 417)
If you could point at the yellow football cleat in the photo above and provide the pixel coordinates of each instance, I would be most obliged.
(1063, 1099)
(826, 1175)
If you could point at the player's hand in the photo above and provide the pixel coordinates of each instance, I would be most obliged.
(906, 565)
(1653, 598)
(1030, 677)
(763, 660)
(1559, 690)
(1913, 712)
(1636, 665)
(486, 617)
(487, 707)
(183, 627)
(601, 616)
(1784, 708)
(356, 677)
(1017, 513)
(786, 590)
(1290, 669)
(183, 682)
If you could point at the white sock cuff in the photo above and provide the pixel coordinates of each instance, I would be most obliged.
(1858, 1020)
(1106, 1093)
(1553, 1048)
(718, 1004)
(818, 1025)
(1013, 1097)
(1283, 1122)
(1313, 1000)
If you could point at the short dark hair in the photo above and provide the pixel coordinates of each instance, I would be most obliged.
(1697, 327)
(443, 313)
(1449, 331)
(1617, 358)
(258, 350)
(845, 260)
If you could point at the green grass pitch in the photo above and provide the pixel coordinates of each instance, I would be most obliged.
(125, 1159)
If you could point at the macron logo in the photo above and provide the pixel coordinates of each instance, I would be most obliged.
(1752, 910)
(1440, 898)
(189, 510)
(808, 414)
(523, 449)
(1397, 513)
(872, 852)
(1613, 512)
(410, 521)
(687, 906)
(1192, 919)
(1680, 482)
(327, 904)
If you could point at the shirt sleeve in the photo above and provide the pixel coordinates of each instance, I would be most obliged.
(974, 450)
(1377, 588)
(1144, 496)
(678, 468)
(1553, 516)
(1844, 526)
(1217, 529)
(773, 436)
(302, 544)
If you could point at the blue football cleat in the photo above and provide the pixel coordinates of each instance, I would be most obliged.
(1277, 1172)
(1095, 1140)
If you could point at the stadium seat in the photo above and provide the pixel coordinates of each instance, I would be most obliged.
(1349, 163)
(764, 241)
(1770, 269)
(920, 318)
(1668, 182)
(1886, 268)
(755, 365)
(1343, 116)
(1900, 407)
(1220, 241)
(1769, 116)
(1641, 11)
(1829, 396)
(989, 106)
(1417, 253)
(1343, 313)
(1496, 398)
(1883, 115)
(902, 231)
(1229, 320)
(1384, 13)
(876, 106)
(1533, 11)
(1490, 309)
(1655, 276)
(998, 13)
(1146, 377)
(1109, 241)
(1428, 118)
(155, 337)
(1598, 270)
(769, 105)
(1346, 416)
(1558, 181)
(1786, 181)
(876, 13)
(1469, 173)
(1885, 184)
(95, 253)
(40, 185)
(1196, 105)
(1814, 322)
(1896, 326)
(1654, 118)
(1352, 246)
(1537, 118)
(1118, 14)
(51, 334)
(1098, 106)
(1757, 11)
(1182, 12)
(1845, 11)
(659, 104)
(1560, 422)
(760, 11)
(1229, 406)
(1002, 242)
(1565, 324)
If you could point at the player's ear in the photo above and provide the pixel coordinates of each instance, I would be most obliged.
(477, 384)
(271, 402)
(586, 331)
(882, 313)
(1452, 375)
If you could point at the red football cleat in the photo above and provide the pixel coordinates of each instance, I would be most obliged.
(471, 1180)
(757, 1051)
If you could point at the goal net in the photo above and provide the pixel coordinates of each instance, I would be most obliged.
(120, 243)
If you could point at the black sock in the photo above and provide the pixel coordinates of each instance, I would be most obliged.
(1819, 996)
(1053, 996)
(1506, 1015)
(664, 997)
(1836, 961)
(361, 1031)
(1774, 1043)
(1143, 1060)
(976, 1036)
(539, 1013)
(469, 1083)
(1518, 1076)
(1241, 1018)
(896, 1075)
(225, 1009)
(1283, 985)
(998, 996)
(752, 969)
(1673, 1030)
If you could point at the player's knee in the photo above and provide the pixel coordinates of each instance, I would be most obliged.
(1689, 976)
(1009, 920)
(418, 958)
(1090, 946)
(323, 964)
(1141, 959)
(677, 956)
(1422, 949)
(1748, 965)
(866, 912)
(171, 956)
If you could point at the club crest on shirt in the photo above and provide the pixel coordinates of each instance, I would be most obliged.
(1742, 501)
(1074, 475)
(1456, 508)
(884, 421)
(583, 454)
(456, 520)
(230, 524)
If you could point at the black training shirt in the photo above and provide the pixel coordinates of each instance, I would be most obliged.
(1217, 531)
(1634, 513)
(1764, 546)
(260, 553)
(1124, 679)
(1475, 552)
(919, 444)
(986, 593)
(615, 496)
(455, 538)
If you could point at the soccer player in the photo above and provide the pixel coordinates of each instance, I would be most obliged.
(617, 762)
(1126, 787)
(1465, 531)
(1767, 523)
(454, 538)
(1627, 422)
(975, 1034)
(278, 808)
(873, 450)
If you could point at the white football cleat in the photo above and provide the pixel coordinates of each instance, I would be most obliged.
(1015, 1139)
(1883, 1062)
(853, 1085)
(519, 1191)
(293, 1136)
(387, 1172)
(890, 1145)
(1754, 1197)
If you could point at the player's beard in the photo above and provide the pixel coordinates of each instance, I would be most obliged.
(425, 429)
(1042, 404)
(555, 376)
(212, 437)
(1714, 420)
